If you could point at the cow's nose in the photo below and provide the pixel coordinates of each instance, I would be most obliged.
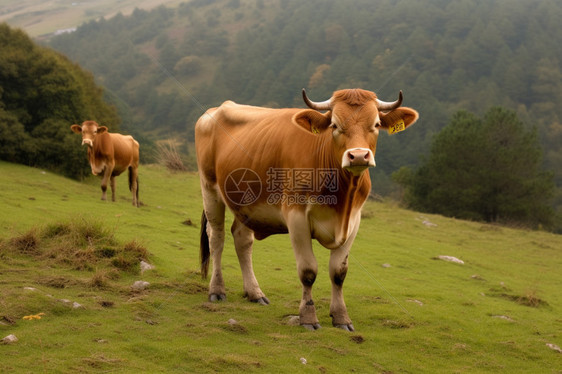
(87, 142)
(358, 159)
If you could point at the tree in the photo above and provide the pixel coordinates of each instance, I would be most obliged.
(42, 93)
(483, 169)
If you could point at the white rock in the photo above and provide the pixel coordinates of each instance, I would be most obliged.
(504, 317)
(75, 305)
(140, 285)
(10, 339)
(293, 321)
(415, 301)
(554, 347)
(451, 259)
(232, 322)
(429, 224)
(145, 266)
(30, 289)
(386, 266)
(303, 360)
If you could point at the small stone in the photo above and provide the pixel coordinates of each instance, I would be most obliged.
(145, 266)
(76, 305)
(415, 301)
(303, 361)
(232, 322)
(293, 321)
(140, 286)
(10, 339)
(554, 347)
(386, 266)
(504, 317)
(451, 259)
(429, 224)
(30, 288)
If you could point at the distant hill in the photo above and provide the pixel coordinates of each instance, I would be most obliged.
(43, 19)
(168, 65)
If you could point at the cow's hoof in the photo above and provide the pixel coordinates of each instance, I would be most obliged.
(312, 327)
(262, 300)
(217, 297)
(348, 327)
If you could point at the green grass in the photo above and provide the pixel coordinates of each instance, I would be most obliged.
(494, 314)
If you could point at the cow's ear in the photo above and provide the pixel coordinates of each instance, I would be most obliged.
(77, 129)
(313, 121)
(398, 119)
(102, 129)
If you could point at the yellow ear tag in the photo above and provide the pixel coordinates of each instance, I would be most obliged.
(397, 127)
(314, 130)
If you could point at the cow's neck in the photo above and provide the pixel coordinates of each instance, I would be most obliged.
(352, 191)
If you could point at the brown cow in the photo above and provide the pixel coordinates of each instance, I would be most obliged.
(293, 171)
(109, 155)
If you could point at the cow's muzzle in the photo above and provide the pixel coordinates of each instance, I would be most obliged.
(358, 159)
(87, 142)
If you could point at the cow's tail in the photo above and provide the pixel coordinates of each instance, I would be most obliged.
(204, 251)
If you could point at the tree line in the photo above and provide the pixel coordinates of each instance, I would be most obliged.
(42, 93)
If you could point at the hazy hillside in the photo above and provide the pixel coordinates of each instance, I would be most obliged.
(169, 65)
(43, 18)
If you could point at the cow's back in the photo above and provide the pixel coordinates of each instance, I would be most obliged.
(125, 152)
(241, 136)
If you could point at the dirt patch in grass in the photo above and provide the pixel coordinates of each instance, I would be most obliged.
(530, 299)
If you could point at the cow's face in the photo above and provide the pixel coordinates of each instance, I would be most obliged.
(89, 131)
(354, 119)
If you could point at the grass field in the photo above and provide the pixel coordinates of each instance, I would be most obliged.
(495, 313)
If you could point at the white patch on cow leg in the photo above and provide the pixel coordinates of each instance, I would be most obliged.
(214, 210)
(307, 267)
(243, 241)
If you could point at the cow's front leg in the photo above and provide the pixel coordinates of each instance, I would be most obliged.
(108, 170)
(307, 267)
(243, 241)
(338, 271)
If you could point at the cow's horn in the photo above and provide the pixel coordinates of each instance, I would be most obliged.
(324, 105)
(386, 106)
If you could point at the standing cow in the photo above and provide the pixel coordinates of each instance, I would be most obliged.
(110, 155)
(296, 171)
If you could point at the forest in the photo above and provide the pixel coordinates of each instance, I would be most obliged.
(163, 68)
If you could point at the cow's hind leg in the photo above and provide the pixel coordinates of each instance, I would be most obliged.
(214, 216)
(243, 241)
(134, 184)
(112, 183)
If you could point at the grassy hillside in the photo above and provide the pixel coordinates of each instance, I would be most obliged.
(495, 313)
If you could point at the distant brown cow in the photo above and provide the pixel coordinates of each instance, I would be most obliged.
(110, 155)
